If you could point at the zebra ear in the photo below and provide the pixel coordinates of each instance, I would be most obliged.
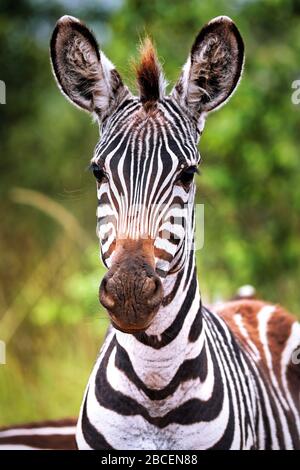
(83, 72)
(213, 68)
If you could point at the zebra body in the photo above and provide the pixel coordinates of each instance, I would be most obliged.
(171, 374)
(200, 390)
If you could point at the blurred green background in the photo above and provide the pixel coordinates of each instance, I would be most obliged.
(250, 183)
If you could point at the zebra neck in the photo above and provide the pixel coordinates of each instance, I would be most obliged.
(156, 355)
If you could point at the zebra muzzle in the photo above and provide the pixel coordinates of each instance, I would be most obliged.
(131, 292)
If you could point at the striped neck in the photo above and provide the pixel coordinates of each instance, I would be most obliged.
(156, 355)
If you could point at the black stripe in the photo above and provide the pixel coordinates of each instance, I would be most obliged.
(93, 437)
(190, 412)
(188, 370)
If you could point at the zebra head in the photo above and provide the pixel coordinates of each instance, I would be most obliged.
(146, 158)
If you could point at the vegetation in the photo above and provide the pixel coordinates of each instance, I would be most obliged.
(50, 317)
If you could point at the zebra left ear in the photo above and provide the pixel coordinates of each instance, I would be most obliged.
(213, 69)
(83, 72)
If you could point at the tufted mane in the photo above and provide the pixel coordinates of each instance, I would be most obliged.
(150, 79)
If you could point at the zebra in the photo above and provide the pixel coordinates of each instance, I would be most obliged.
(171, 374)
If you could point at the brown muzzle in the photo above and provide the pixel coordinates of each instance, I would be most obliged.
(131, 291)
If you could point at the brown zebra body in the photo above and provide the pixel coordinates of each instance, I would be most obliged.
(270, 336)
(44, 435)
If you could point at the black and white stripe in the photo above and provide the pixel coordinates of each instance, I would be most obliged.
(188, 386)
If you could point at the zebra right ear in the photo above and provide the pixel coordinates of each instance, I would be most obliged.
(83, 72)
(213, 69)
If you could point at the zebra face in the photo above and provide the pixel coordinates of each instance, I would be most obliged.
(144, 165)
(147, 155)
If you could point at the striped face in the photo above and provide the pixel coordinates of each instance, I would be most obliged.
(147, 156)
(145, 165)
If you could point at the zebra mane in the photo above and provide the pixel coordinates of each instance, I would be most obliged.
(150, 78)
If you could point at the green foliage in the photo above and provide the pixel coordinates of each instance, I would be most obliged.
(250, 182)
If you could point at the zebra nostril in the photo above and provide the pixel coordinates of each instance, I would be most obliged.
(106, 297)
(149, 286)
(154, 292)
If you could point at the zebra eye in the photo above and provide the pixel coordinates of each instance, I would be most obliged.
(97, 172)
(187, 176)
